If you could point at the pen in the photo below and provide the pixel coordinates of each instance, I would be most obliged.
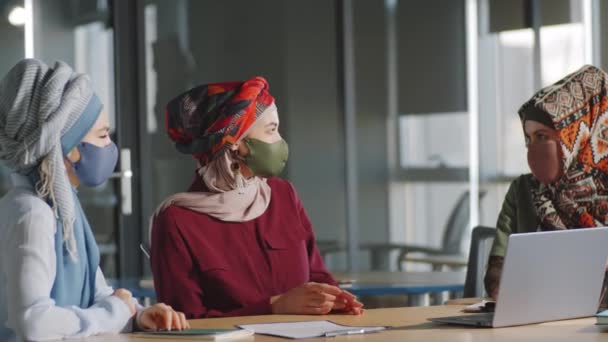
(345, 332)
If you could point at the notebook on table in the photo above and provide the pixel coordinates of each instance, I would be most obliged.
(197, 334)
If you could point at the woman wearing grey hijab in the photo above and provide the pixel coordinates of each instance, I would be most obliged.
(54, 136)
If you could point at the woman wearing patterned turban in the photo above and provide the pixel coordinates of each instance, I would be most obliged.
(53, 137)
(566, 131)
(239, 241)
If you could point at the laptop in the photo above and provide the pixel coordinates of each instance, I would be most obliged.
(547, 276)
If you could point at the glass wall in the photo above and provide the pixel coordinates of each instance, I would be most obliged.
(413, 123)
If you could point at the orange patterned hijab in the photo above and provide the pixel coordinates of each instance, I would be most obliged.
(578, 108)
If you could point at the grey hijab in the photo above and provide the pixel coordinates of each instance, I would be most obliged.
(38, 105)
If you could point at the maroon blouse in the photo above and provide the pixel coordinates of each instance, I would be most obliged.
(205, 267)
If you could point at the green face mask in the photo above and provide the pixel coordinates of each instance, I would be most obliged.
(264, 159)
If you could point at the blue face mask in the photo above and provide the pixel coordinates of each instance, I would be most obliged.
(96, 164)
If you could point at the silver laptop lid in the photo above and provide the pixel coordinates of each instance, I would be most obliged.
(551, 276)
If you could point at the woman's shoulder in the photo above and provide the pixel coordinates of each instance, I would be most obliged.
(19, 203)
(520, 191)
(282, 185)
(25, 211)
(174, 214)
(165, 222)
(523, 183)
(175, 218)
(283, 188)
(279, 183)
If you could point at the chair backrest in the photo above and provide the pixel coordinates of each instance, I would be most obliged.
(457, 225)
(481, 244)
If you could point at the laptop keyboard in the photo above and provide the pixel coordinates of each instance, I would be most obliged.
(487, 317)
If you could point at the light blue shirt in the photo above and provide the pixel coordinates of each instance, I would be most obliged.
(27, 274)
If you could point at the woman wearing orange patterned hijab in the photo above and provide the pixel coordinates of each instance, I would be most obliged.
(239, 241)
(566, 131)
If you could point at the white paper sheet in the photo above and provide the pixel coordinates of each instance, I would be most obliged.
(307, 329)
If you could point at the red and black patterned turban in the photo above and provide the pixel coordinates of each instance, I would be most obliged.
(208, 119)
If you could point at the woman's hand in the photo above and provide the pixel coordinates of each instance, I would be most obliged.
(126, 296)
(309, 299)
(162, 317)
(348, 303)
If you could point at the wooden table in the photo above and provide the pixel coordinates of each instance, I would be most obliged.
(411, 325)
